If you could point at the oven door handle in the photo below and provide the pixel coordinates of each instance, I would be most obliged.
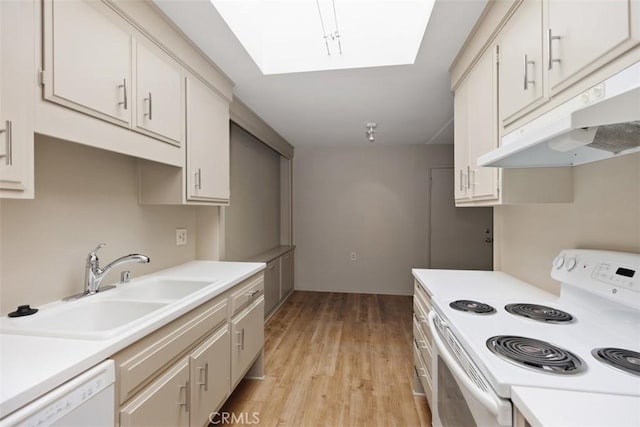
(487, 400)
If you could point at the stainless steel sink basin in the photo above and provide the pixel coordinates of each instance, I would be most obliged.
(83, 319)
(159, 289)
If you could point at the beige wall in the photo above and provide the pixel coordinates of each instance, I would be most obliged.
(371, 200)
(605, 214)
(83, 196)
(252, 222)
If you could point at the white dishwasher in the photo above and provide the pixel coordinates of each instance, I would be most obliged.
(87, 400)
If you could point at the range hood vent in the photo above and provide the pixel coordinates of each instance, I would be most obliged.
(600, 123)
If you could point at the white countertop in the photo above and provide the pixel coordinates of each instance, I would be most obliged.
(559, 408)
(30, 366)
(475, 284)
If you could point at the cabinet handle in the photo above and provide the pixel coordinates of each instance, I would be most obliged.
(550, 38)
(253, 294)
(468, 177)
(461, 180)
(526, 72)
(125, 102)
(187, 396)
(420, 344)
(472, 179)
(205, 368)
(150, 113)
(240, 342)
(8, 154)
(198, 179)
(424, 372)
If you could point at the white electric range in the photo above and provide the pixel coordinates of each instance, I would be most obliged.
(481, 349)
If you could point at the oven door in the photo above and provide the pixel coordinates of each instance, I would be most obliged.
(461, 396)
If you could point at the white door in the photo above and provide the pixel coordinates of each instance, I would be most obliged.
(460, 238)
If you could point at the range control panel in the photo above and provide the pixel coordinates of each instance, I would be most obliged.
(615, 275)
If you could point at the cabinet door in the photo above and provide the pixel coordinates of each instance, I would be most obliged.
(165, 402)
(207, 144)
(210, 376)
(286, 274)
(520, 49)
(16, 98)
(159, 100)
(584, 36)
(482, 129)
(247, 339)
(461, 140)
(271, 286)
(88, 58)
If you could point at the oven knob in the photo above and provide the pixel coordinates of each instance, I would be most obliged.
(558, 262)
(571, 263)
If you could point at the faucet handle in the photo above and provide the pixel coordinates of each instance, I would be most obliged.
(93, 253)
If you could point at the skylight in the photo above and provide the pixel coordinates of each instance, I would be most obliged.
(290, 36)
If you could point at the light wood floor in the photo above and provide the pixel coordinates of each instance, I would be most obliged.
(336, 360)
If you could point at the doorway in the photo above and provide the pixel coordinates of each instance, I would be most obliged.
(459, 238)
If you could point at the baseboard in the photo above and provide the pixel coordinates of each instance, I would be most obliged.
(351, 291)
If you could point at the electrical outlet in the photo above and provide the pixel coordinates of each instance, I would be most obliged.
(353, 256)
(181, 236)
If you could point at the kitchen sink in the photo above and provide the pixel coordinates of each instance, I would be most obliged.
(159, 289)
(83, 319)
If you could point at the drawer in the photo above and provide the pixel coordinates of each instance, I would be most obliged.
(422, 373)
(249, 291)
(422, 342)
(140, 361)
(423, 325)
(421, 294)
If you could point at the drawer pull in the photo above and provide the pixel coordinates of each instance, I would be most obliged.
(420, 375)
(240, 342)
(253, 293)
(421, 344)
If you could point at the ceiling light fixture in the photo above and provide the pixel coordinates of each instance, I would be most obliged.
(333, 36)
(371, 130)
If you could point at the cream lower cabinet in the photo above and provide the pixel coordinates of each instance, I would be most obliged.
(190, 390)
(286, 274)
(164, 403)
(210, 376)
(247, 330)
(422, 341)
(271, 285)
(16, 95)
(183, 372)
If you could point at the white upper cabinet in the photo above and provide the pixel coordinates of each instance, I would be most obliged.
(207, 144)
(475, 131)
(583, 36)
(159, 94)
(521, 67)
(16, 99)
(88, 58)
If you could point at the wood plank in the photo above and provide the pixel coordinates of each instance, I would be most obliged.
(335, 359)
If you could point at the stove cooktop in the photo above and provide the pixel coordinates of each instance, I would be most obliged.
(597, 310)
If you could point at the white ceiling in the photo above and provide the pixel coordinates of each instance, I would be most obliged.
(412, 104)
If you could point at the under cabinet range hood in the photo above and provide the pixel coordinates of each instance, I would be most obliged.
(601, 123)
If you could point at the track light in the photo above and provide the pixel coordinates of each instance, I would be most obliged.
(371, 130)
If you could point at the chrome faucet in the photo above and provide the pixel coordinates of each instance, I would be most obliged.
(94, 274)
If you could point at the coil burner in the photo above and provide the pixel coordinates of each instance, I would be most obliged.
(472, 306)
(535, 354)
(541, 313)
(619, 358)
